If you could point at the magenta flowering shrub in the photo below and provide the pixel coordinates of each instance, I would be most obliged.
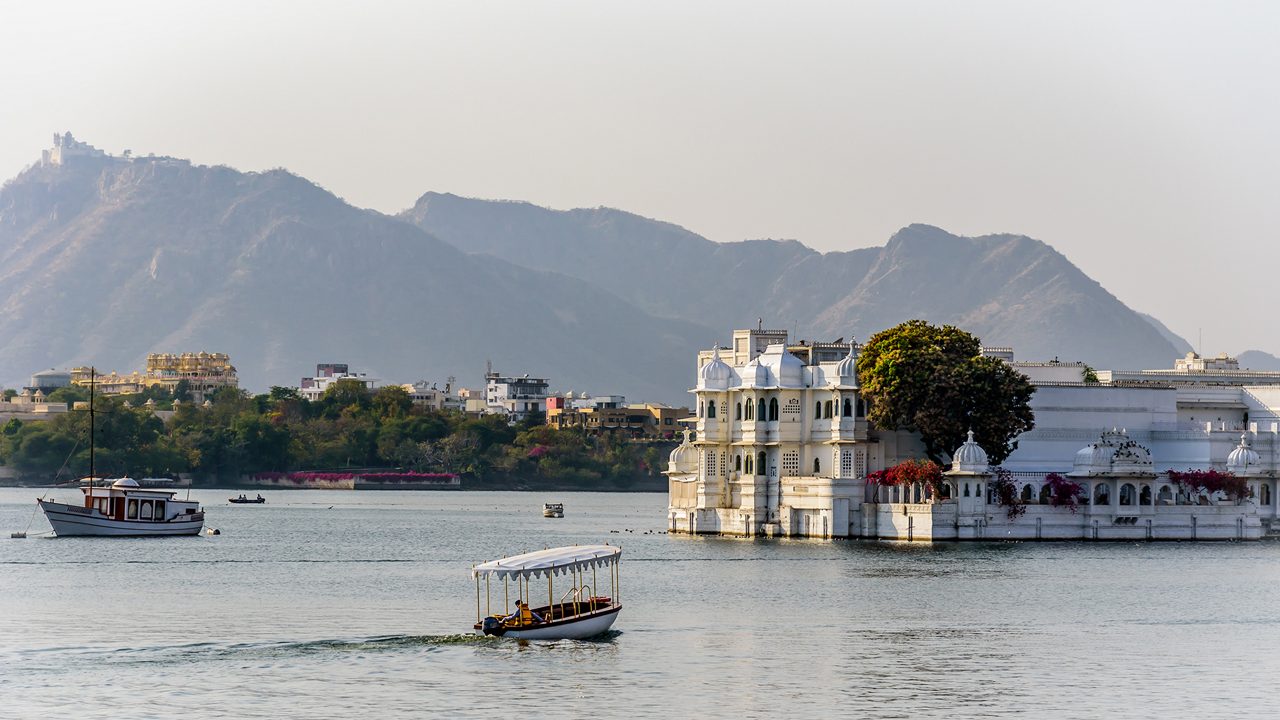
(303, 478)
(1211, 481)
(1006, 494)
(1063, 492)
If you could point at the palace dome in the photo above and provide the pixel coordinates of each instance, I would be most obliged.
(970, 457)
(787, 369)
(848, 367)
(1244, 460)
(684, 459)
(1113, 454)
(755, 374)
(715, 375)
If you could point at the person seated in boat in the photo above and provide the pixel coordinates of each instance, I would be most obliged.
(259, 496)
(523, 615)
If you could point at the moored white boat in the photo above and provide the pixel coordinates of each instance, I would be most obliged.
(124, 509)
(578, 612)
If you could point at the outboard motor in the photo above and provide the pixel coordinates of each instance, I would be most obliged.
(492, 626)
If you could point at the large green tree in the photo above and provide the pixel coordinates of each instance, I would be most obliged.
(934, 381)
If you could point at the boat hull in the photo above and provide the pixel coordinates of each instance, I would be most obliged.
(579, 628)
(75, 521)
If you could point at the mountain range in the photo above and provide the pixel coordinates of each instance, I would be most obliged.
(105, 259)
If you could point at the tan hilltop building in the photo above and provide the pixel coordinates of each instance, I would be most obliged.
(204, 372)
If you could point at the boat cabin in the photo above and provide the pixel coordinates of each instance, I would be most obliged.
(124, 499)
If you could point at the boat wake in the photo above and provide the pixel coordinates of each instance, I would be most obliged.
(275, 651)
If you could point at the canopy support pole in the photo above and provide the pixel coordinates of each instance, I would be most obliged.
(487, 609)
(477, 598)
(551, 599)
(594, 587)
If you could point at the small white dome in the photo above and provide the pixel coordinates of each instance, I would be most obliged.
(684, 459)
(755, 374)
(847, 369)
(1113, 454)
(787, 369)
(715, 375)
(1244, 460)
(125, 483)
(970, 457)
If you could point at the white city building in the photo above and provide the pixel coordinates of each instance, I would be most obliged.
(515, 397)
(783, 448)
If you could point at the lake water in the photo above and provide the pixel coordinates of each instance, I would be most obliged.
(337, 604)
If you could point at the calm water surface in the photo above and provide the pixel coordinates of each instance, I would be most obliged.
(333, 604)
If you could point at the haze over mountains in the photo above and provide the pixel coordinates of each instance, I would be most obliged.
(106, 259)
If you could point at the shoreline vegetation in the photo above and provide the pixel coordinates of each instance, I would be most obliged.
(351, 430)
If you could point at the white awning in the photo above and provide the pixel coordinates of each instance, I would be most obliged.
(556, 561)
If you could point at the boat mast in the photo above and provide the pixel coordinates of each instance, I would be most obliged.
(92, 382)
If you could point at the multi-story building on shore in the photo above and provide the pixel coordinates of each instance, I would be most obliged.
(612, 414)
(514, 397)
(783, 448)
(329, 374)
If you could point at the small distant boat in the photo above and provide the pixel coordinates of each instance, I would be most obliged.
(579, 612)
(553, 510)
(242, 500)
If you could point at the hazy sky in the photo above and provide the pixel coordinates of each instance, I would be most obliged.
(1139, 139)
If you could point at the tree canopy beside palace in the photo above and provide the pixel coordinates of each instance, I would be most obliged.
(935, 381)
(350, 427)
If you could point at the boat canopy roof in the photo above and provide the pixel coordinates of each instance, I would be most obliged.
(553, 561)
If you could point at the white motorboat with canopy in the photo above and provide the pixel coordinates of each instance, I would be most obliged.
(578, 612)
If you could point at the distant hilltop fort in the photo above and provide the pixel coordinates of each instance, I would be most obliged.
(67, 148)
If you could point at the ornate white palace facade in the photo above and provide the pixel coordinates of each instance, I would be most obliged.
(783, 448)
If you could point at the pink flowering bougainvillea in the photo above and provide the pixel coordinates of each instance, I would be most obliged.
(1063, 492)
(909, 472)
(1007, 494)
(1211, 481)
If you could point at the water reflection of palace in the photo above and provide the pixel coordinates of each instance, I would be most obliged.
(783, 447)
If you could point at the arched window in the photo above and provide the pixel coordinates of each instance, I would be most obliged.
(760, 411)
(773, 409)
(826, 409)
(817, 410)
(1027, 492)
(749, 468)
(1044, 495)
(1144, 498)
(977, 490)
(1102, 494)
(751, 410)
(737, 411)
(711, 409)
(848, 407)
(1264, 496)
(1165, 495)
(966, 489)
(760, 463)
(817, 466)
(737, 463)
(1127, 494)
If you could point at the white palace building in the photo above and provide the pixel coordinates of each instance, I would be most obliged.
(783, 448)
